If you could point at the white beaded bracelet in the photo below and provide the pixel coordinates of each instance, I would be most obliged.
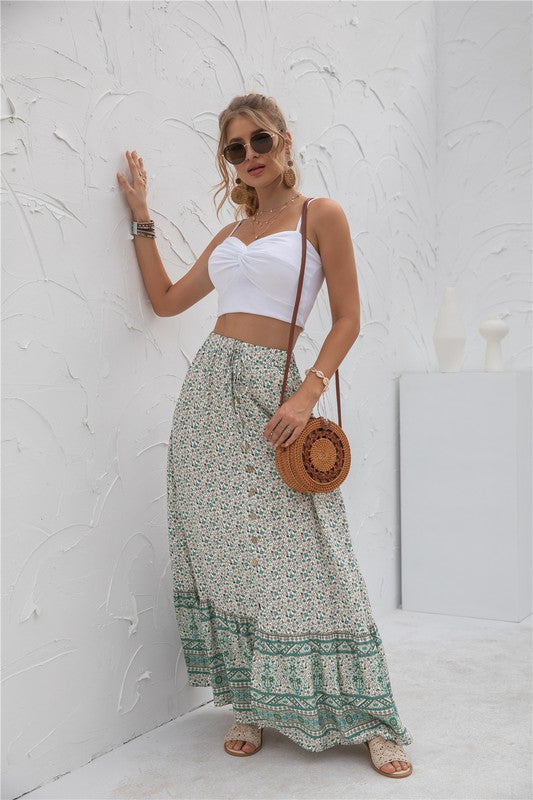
(320, 375)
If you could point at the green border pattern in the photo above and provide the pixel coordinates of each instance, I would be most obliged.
(294, 690)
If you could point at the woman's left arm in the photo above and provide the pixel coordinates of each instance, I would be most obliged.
(338, 262)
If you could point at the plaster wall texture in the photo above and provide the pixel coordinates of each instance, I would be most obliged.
(483, 210)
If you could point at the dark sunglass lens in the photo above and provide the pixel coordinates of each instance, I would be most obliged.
(261, 142)
(235, 153)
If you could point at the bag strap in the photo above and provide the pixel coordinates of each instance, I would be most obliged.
(295, 313)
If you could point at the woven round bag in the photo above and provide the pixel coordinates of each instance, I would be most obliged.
(319, 458)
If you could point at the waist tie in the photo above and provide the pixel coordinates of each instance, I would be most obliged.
(236, 370)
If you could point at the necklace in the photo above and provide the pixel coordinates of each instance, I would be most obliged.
(262, 227)
(270, 210)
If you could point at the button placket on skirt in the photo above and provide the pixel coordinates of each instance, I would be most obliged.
(238, 392)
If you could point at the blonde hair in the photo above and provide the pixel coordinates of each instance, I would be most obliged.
(266, 113)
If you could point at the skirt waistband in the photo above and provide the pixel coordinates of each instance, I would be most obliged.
(240, 344)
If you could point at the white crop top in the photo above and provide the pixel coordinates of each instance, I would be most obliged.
(262, 277)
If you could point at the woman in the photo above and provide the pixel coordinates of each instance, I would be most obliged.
(272, 608)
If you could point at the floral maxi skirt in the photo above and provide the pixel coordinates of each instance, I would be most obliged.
(271, 606)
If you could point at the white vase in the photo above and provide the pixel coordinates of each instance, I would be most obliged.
(493, 330)
(449, 336)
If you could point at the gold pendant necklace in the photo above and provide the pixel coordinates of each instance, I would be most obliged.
(266, 225)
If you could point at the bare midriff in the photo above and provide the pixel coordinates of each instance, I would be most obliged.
(256, 329)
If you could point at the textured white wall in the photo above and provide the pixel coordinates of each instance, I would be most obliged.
(484, 170)
(90, 647)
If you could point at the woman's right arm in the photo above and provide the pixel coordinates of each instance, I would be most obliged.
(167, 298)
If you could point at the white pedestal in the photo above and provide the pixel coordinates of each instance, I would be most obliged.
(465, 474)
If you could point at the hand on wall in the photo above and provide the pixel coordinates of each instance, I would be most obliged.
(135, 192)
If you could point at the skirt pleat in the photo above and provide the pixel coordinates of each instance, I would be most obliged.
(272, 608)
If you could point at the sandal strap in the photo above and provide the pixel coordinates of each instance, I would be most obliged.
(384, 750)
(244, 732)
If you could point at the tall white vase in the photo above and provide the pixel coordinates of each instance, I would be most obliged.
(449, 336)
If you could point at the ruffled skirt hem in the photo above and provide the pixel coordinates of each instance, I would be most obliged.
(236, 660)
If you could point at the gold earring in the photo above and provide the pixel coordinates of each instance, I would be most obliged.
(239, 194)
(289, 176)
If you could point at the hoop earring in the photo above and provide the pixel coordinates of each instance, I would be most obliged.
(239, 194)
(289, 176)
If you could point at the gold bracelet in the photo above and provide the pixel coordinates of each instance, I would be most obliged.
(320, 374)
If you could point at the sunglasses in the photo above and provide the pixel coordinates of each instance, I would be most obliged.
(262, 142)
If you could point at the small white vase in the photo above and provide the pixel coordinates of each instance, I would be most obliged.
(493, 331)
(449, 336)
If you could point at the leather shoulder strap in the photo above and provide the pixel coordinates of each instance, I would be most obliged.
(295, 314)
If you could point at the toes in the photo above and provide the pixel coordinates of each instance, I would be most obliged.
(239, 744)
(399, 766)
(395, 766)
(234, 744)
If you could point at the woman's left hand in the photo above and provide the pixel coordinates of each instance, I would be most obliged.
(289, 420)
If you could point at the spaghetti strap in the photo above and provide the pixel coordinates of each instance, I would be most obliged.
(300, 220)
(235, 228)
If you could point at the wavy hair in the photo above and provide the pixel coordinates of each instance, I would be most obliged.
(266, 114)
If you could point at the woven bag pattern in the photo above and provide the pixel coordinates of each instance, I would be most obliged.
(318, 460)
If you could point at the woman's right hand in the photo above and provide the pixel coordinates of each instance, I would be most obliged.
(134, 192)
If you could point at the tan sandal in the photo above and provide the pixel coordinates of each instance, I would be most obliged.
(382, 751)
(245, 733)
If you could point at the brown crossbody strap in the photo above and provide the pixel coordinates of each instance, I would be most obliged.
(303, 228)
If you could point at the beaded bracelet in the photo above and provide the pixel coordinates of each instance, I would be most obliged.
(320, 374)
(143, 228)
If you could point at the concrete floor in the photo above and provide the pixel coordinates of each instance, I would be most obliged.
(462, 686)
